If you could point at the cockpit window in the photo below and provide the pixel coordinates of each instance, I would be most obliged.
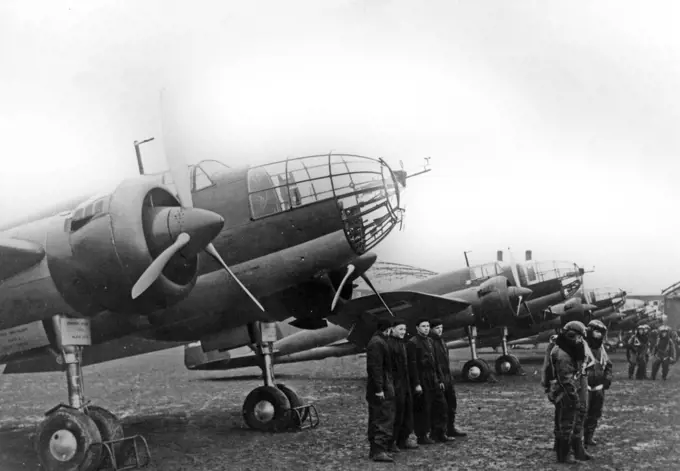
(364, 188)
(201, 180)
(213, 168)
(488, 270)
(537, 272)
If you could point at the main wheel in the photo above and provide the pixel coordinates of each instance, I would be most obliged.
(110, 428)
(507, 365)
(476, 371)
(295, 401)
(267, 409)
(69, 440)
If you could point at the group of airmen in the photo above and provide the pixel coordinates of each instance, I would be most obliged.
(577, 372)
(409, 388)
(662, 344)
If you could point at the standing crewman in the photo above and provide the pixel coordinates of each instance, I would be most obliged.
(567, 361)
(637, 352)
(441, 352)
(403, 422)
(664, 352)
(653, 337)
(429, 388)
(599, 378)
(547, 381)
(380, 393)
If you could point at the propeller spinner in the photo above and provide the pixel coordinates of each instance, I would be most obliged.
(199, 220)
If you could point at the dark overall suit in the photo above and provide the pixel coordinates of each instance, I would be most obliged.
(665, 354)
(442, 357)
(432, 399)
(567, 369)
(403, 422)
(637, 355)
(379, 379)
(599, 380)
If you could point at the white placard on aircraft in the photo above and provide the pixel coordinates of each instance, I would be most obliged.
(22, 338)
(268, 330)
(75, 331)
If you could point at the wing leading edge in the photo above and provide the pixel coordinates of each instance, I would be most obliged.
(17, 256)
(360, 316)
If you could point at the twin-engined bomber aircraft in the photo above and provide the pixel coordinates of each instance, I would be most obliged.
(487, 301)
(153, 260)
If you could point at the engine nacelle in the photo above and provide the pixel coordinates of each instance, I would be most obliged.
(312, 300)
(114, 239)
(496, 305)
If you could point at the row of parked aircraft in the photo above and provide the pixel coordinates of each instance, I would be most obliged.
(234, 257)
(501, 305)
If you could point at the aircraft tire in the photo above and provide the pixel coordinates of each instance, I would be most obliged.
(267, 409)
(68, 439)
(110, 428)
(476, 371)
(295, 401)
(507, 365)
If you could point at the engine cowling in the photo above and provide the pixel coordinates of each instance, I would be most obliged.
(114, 239)
(499, 300)
(312, 300)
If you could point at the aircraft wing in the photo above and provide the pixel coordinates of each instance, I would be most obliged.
(18, 255)
(116, 349)
(360, 316)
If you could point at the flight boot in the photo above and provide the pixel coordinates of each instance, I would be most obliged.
(564, 453)
(580, 452)
(393, 448)
(588, 439)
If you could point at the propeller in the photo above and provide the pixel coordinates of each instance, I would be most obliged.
(518, 283)
(180, 176)
(370, 285)
(154, 271)
(350, 270)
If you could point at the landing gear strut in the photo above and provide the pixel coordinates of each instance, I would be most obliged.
(274, 407)
(507, 364)
(475, 370)
(78, 435)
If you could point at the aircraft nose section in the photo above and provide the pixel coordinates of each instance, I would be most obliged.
(168, 223)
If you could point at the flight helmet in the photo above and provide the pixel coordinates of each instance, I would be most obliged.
(575, 326)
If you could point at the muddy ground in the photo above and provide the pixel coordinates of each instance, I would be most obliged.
(192, 420)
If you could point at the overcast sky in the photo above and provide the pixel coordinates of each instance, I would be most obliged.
(552, 126)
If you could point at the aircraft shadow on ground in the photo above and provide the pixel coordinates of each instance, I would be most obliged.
(249, 377)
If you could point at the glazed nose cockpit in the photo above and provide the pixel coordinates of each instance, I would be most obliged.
(366, 190)
(544, 277)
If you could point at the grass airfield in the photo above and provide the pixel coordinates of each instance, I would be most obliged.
(192, 420)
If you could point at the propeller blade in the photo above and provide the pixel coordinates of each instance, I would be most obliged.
(519, 304)
(170, 130)
(152, 273)
(350, 270)
(212, 251)
(370, 285)
(513, 267)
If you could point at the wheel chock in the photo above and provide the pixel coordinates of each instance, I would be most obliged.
(126, 453)
(305, 417)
